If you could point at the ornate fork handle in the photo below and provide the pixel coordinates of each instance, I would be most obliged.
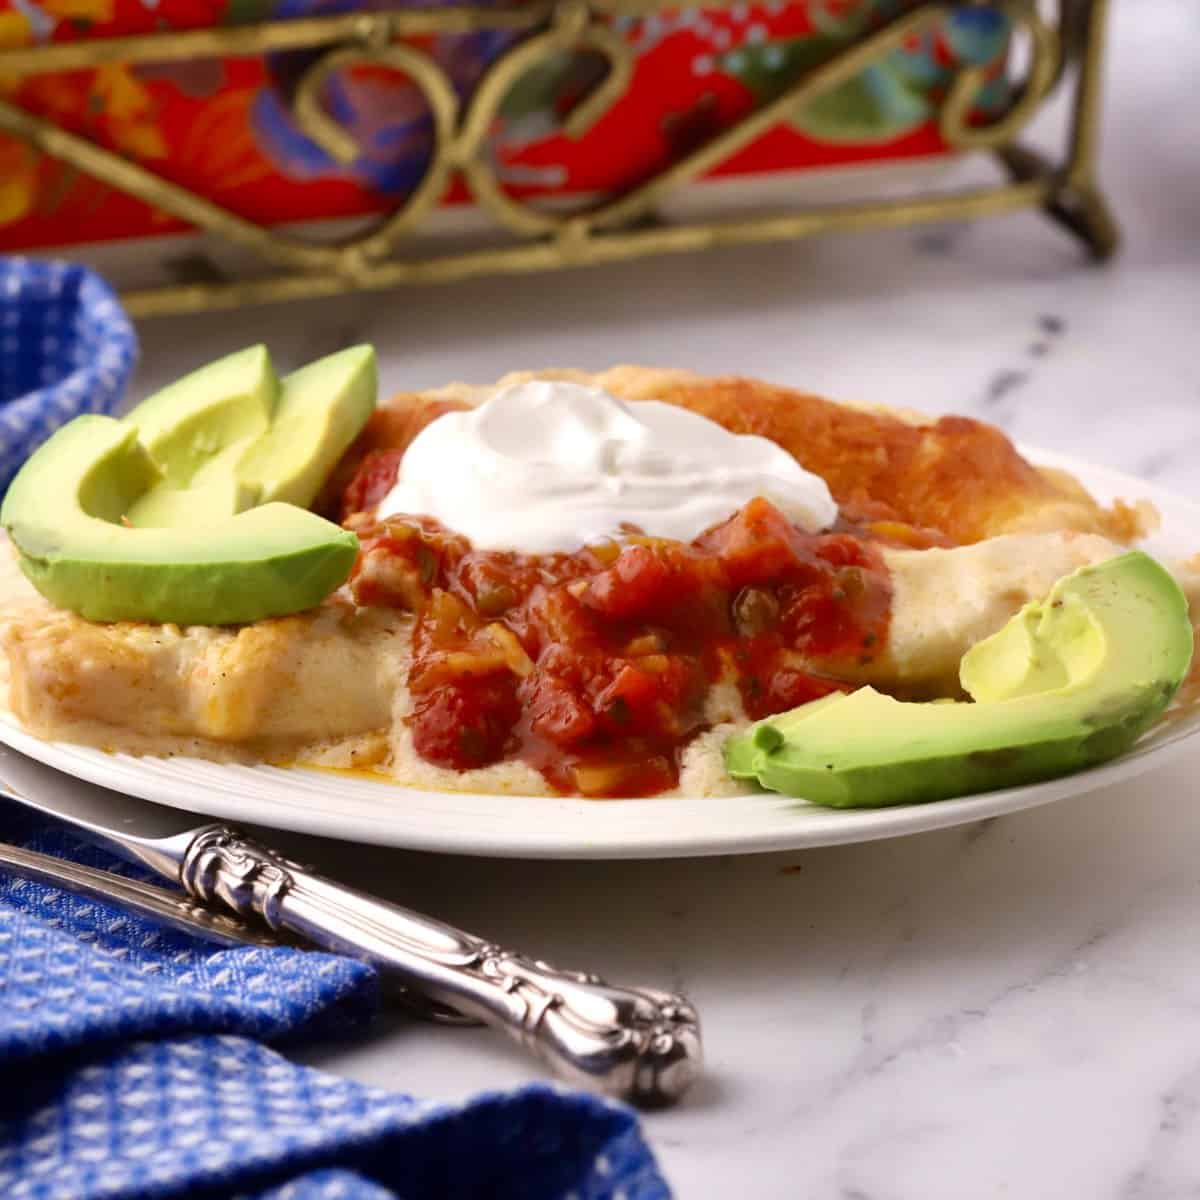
(639, 1044)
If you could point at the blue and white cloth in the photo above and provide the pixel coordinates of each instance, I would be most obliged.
(133, 1065)
(66, 347)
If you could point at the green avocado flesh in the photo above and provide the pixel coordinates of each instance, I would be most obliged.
(142, 519)
(230, 400)
(321, 409)
(214, 490)
(1070, 681)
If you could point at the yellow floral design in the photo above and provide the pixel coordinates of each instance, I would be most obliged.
(18, 180)
(112, 102)
(15, 29)
(18, 163)
(79, 10)
(129, 112)
(118, 106)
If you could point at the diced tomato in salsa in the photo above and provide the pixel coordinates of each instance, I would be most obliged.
(372, 481)
(468, 723)
(595, 667)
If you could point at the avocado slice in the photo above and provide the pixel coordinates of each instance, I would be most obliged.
(742, 753)
(321, 409)
(230, 400)
(1068, 682)
(64, 512)
(265, 442)
(190, 510)
(215, 490)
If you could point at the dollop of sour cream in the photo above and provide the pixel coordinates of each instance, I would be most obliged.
(548, 466)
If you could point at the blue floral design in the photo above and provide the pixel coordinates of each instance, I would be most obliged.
(389, 119)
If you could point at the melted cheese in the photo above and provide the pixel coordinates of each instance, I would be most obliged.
(328, 687)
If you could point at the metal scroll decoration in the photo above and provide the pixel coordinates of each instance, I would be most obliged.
(616, 228)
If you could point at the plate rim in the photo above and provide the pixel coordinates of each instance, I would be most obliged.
(605, 835)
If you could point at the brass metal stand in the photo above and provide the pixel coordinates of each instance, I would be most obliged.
(618, 228)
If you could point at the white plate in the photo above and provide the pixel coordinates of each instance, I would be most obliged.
(363, 810)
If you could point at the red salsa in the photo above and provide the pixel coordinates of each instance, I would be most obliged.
(597, 668)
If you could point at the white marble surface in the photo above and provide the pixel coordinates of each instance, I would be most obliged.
(1006, 1010)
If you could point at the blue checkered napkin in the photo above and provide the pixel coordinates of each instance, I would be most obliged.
(66, 347)
(132, 1065)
